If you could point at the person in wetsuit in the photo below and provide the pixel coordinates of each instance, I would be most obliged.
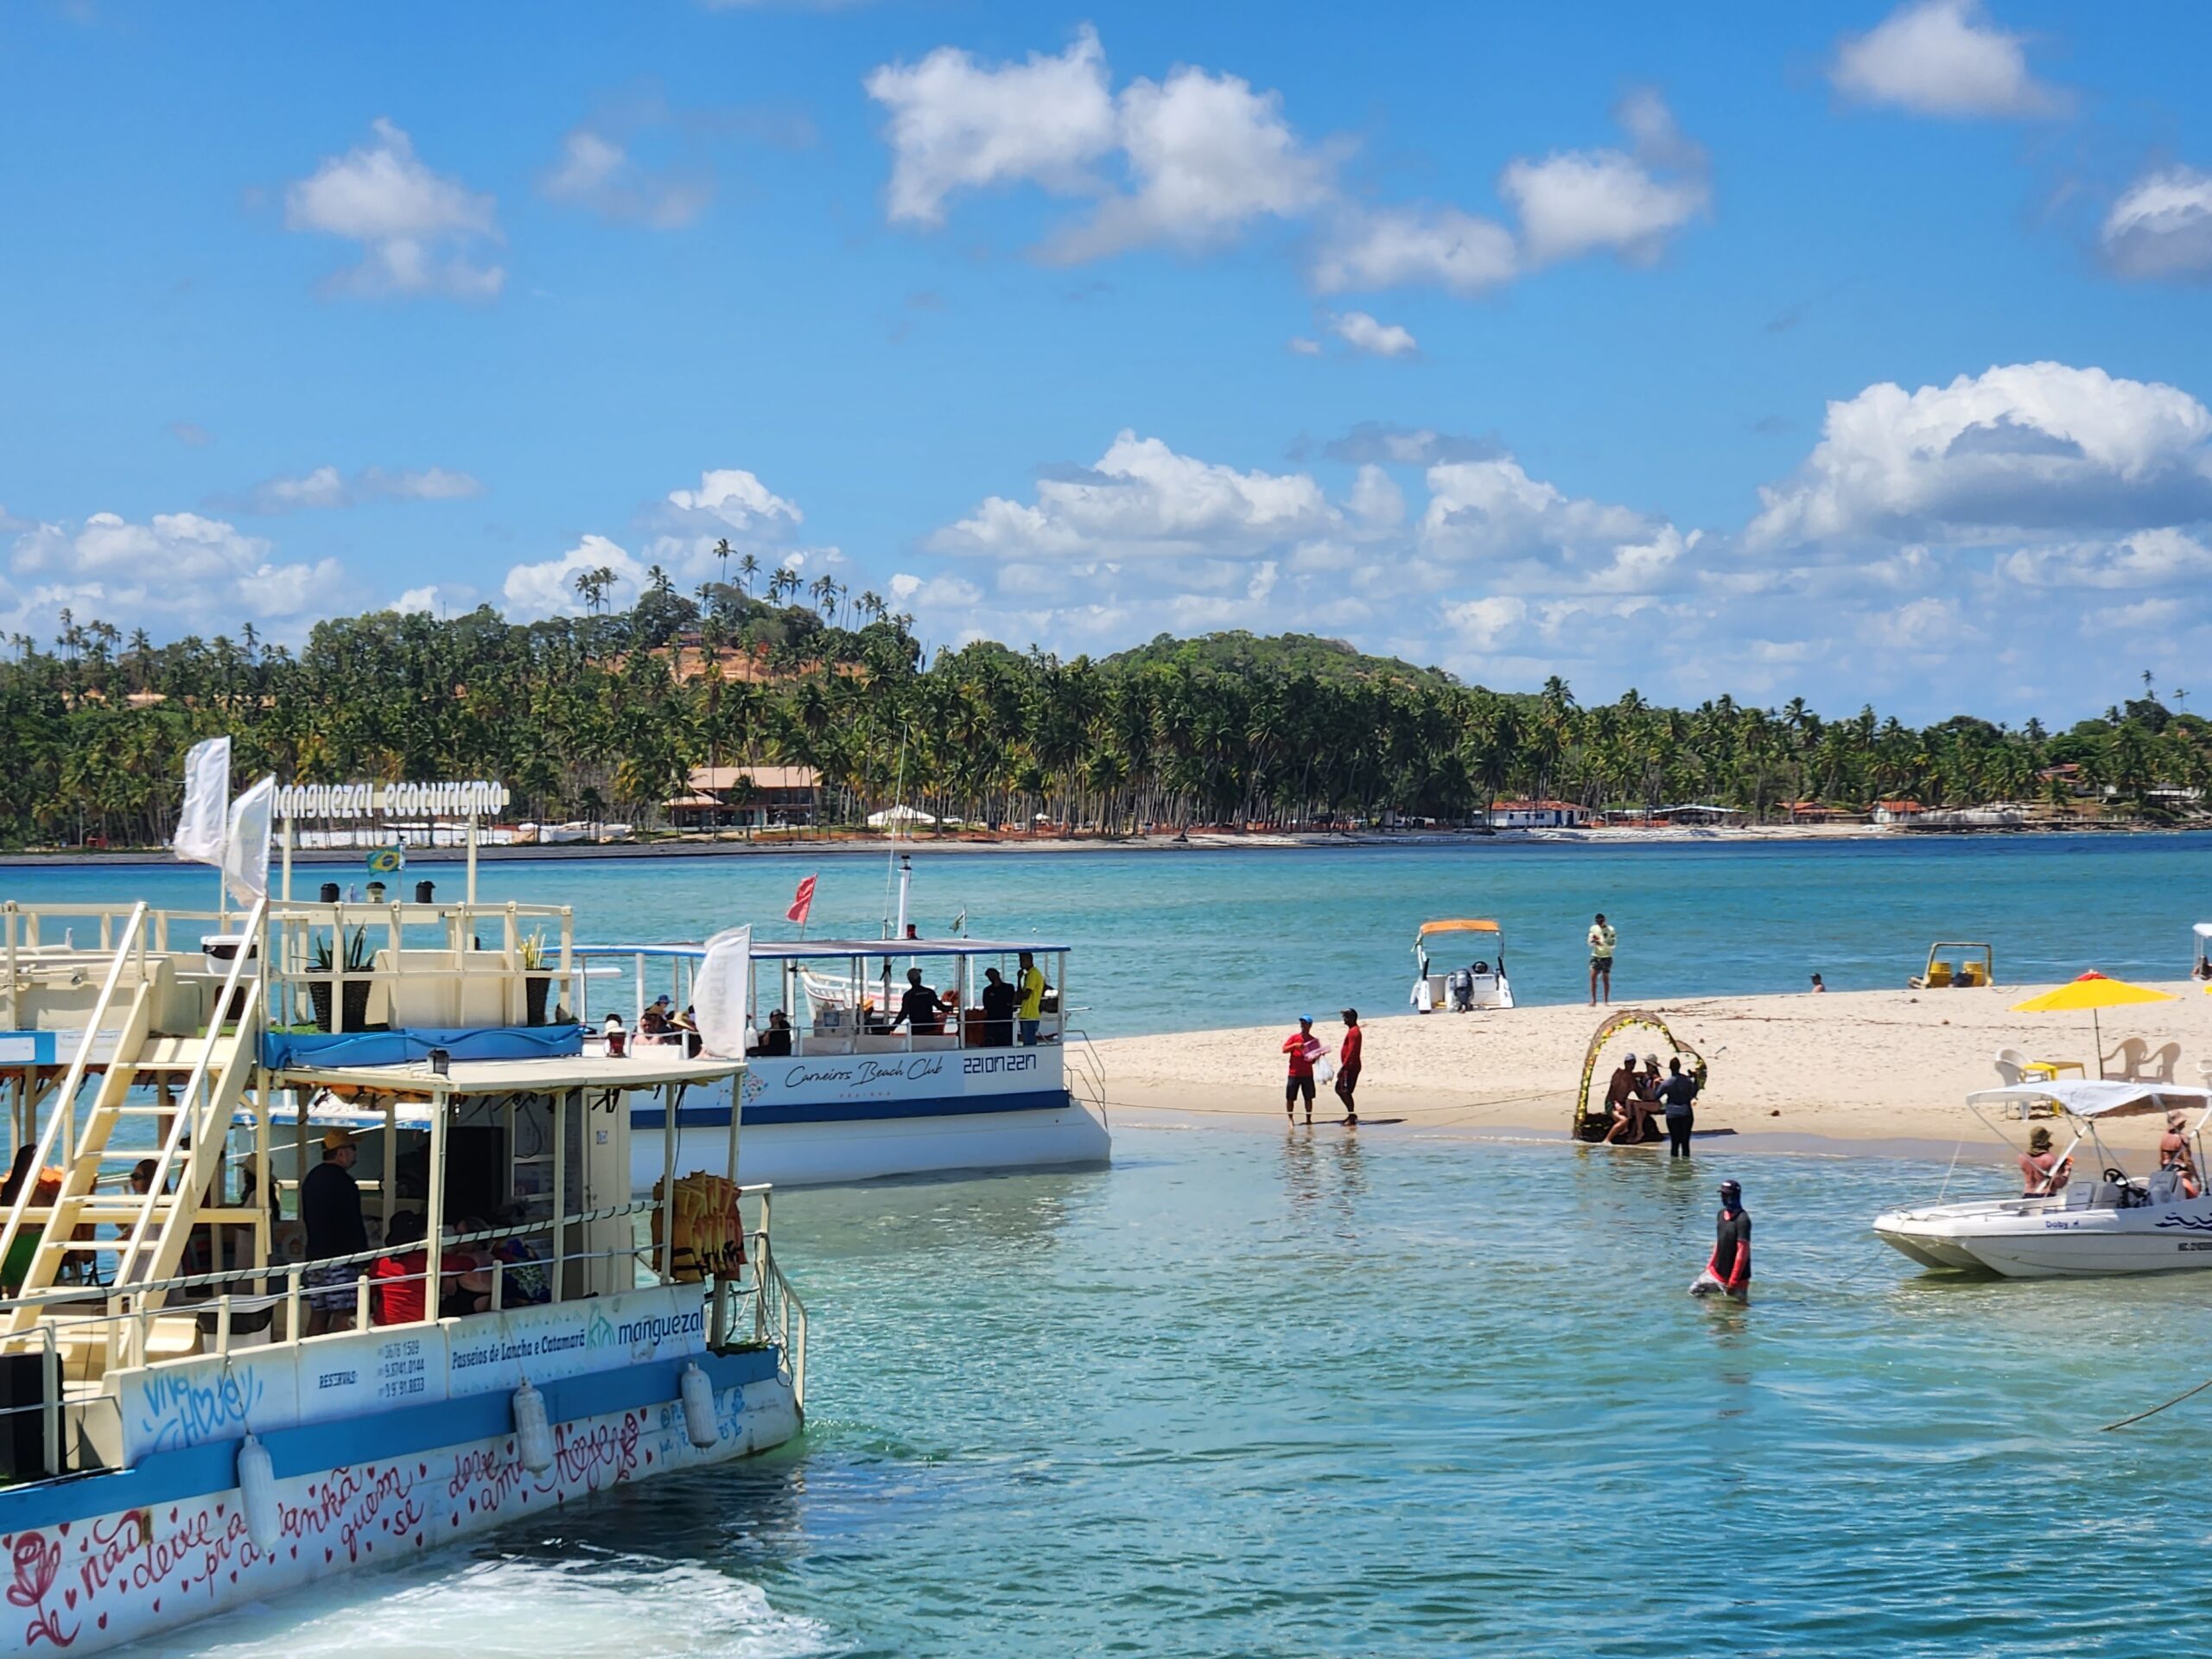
(1730, 1267)
(1678, 1094)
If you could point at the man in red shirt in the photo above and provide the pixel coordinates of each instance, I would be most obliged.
(401, 1278)
(1303, 1048)
(1348, 1067)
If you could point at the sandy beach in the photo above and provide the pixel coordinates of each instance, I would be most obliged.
(1847, 1071)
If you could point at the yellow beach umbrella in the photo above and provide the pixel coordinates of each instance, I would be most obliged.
(2092, 991)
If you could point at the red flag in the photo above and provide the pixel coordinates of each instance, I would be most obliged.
(802, 902)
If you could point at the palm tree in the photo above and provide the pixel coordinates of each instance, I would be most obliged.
(748, 567)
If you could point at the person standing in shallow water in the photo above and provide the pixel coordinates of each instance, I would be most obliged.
(1348, 1067)
(1729, 1269)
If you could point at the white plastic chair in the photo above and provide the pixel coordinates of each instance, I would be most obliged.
(2128, 1061)
(2008, 1063)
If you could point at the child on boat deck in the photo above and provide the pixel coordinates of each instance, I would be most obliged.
(399, 1279)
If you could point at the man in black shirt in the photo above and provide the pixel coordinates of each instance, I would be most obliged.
(919, 1009)
(330, 1211)
(1000, 1000)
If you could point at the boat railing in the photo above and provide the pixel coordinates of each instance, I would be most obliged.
(779, 1315)
(320, 947)
(142, 1321)
(1084, 1061)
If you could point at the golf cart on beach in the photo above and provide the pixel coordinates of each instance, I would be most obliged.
(1480, 983)
(1940, 974)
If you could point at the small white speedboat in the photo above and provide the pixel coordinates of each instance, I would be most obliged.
(1480, 982)
(2101, 1220)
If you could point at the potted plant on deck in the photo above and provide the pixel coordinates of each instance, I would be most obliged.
(537, 984)
(359, 960)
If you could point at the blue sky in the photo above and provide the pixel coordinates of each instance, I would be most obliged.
(1855, 351)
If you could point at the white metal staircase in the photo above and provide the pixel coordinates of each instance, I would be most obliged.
(198, 1081)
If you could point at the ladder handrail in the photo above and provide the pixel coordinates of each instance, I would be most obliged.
(188, 1105)
(65, 1102)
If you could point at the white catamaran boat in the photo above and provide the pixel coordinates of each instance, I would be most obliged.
(840, 1086)
(2101, 1220)
(191, 1416)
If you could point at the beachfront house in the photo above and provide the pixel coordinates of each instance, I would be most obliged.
(1538, 815)
(1898, 812)
(746, 797)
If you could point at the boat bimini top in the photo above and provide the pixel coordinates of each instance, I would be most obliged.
(2101, 1099)
(1458, 925)
(1466, 925)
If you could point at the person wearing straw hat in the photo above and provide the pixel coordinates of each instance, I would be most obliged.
(330, 1211)
(2042, 1172)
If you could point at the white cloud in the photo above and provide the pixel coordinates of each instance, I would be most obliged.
(1919, 626)
(596, 172)
(1942, 57)
(1142, 499)
(737, 499)
(955, 124)
(1205, 154)
(2161, 227)
(2145, 616)
(1375, 499)
(2029, 446)
(1569, 204)
(1363, 333)
(418, 231)
(1488, 509)
(326, 486)
(1485, 624)
(1398, 246)
(2149, 558)
(548, 588)
(1303, 347)
(1580, 201)
(182, 570)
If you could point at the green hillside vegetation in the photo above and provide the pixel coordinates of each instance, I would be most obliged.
(604, 715)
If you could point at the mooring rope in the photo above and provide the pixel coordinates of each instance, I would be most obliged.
(2155, 1410)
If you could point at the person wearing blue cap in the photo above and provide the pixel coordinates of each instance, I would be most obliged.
(1303, 1048)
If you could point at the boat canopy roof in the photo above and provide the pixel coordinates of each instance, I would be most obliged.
(1465, 924)
(2102, 1097)
(836, 949)
(2203, 930)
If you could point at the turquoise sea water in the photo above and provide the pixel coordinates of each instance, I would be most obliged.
(1247, 1394)
(1183, 941)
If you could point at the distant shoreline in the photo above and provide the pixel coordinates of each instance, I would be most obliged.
(879, 846)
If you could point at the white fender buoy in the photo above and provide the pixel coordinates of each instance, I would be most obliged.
(533, 1432)
(699, 1408)
(257, 1496)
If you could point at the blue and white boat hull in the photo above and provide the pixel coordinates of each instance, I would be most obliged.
(166, 1540)
(823, 1120)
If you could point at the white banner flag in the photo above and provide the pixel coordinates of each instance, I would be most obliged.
(200, 826)
(721, 997)
(246, 843)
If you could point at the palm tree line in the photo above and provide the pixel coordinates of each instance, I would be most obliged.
(607, 713)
